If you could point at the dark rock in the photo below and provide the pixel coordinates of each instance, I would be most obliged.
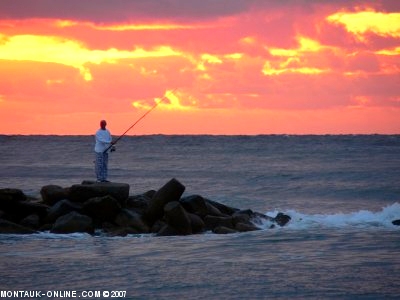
(46, 227)
(223, 230)
(139, 203)
(198, 205)
(259, 218)
(131, 219)
(31, 221)
(83, 192)
(177, 217)
(102, 208)
(61, 208)
(243, 227)
(224, 209)
(168, 230)
(157, 226)
(25, 208)
(243, 216)
(51, 194)
(111, 230)
(12, 194)
(10, 197)
(150, 194)
(212, 222)
(171, 191)
(8, 227)
(396, 222)
(121, 231)
(195, 204)
(196, 223)
(281, 219)
(73, 222)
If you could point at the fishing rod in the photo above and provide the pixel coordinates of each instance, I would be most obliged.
(138, 120)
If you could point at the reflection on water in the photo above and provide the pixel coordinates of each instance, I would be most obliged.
(263, 264)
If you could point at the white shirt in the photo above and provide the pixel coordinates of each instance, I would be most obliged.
(103, 140)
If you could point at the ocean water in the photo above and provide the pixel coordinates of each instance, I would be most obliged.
(342, 192)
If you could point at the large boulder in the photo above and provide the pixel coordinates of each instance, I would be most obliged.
(243, 227)
(282, 219)
(26, 208)
(51, 194)
(9, 198)
(61, 208)
(212, 222)
(102, 208)
(396, 222)
(83, 192)
(196, 223)
(131, 219)
(171, 191)
(13, 228)
(198, 205)
(140, 203)
(177, 217)
(73, 222)
(224, 209)
(31, 221)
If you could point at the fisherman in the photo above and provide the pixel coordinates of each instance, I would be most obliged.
(103, 143)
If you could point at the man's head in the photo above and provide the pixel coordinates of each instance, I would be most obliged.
(103, 124)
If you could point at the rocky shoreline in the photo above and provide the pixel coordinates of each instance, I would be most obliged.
(108, 208)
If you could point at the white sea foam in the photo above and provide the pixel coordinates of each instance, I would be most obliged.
(359, 219)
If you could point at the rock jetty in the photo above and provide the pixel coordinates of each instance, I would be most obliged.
(107, 208)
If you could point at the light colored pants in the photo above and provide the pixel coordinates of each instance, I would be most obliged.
(101, 166)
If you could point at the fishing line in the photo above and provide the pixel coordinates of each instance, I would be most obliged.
(141, 118)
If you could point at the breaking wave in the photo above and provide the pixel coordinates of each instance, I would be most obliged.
(363, 219)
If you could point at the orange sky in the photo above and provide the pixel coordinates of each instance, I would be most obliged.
(239, 66)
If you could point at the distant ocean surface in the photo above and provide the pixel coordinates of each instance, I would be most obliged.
(342, 192)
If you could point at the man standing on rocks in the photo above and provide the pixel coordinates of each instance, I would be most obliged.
(103, 142)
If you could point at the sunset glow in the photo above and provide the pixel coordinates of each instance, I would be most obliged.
(250, 67)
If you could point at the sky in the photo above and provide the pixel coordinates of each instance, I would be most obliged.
(210, 66)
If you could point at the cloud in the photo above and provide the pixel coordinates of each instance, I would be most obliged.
(256, 58)
(120, 10)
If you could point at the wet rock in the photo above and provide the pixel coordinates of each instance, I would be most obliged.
(243, 227)
(281, 219)
(139, 203)
(108, 206)
(168, 230)
(51, 194)
(131, 219)
(197, 224)
(10, 197)
(12, 194)
(195, 204)
(200, 206)
(83, 192)
(73, 222)
(31, 221)
(61, 208)
(396, 222)
(102, 208)
(26, 208)
(157, 226)
(171, 191)
(242, 216)
(7, 227)
(224, 209)
(212, 222)
(223, 230)
(177, 217)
